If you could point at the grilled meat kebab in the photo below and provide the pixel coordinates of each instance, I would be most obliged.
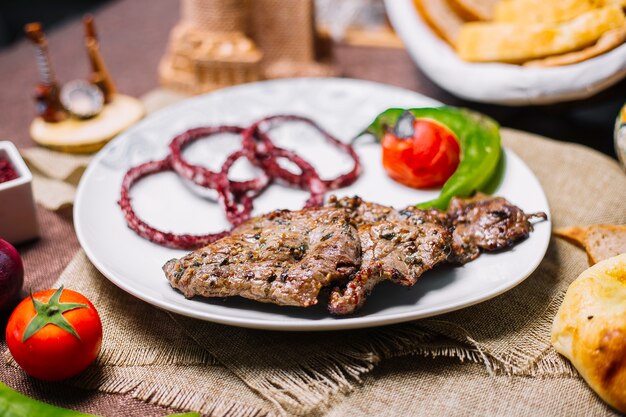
(350, 245)
(486, 223)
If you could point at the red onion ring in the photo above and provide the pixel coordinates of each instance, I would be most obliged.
(201, 175)
(143, 229)
(256, 131)
(235, 213)
(236, 197)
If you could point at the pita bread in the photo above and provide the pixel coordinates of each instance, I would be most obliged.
(441, 17)
(590, 329)
(475, 9)
(601, 241)
(519, 42)
(546, 11)
(608, 41)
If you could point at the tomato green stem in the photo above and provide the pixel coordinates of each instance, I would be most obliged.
(51, 313)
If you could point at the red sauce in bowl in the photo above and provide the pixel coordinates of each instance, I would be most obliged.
(7, 171)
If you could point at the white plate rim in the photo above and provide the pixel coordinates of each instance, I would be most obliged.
(300, 325)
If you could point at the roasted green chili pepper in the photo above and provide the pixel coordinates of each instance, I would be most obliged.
(14, 404)
(479, 138)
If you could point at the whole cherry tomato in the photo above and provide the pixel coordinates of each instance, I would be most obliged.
(425, 156)
(54, 334)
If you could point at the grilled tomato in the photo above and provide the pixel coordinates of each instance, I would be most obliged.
(420, 153)
(54, 334)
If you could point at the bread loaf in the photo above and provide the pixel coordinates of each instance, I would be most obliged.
(590, 329)
(518, 42)
(476, 9)
(441, 17)
(601, 241)
(546, 11)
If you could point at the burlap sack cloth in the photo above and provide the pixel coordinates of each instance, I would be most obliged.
(490, 359)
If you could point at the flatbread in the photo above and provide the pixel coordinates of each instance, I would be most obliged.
(601, 241)
(441, 17)
(544, 11)
(475, 9)
(608, 41)
(520, 42)
(590, 329)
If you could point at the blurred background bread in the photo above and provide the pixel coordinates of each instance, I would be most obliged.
(542, 11)
(442, 18)
(590, 329)
(538, 32)
(475, 9)
(520, 41)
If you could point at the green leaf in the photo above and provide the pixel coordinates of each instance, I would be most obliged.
(51, 313)
(14, 404)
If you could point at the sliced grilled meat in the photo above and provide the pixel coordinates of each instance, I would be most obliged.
(396, 245)
(284, 257)
(486, 223)
(349, 245)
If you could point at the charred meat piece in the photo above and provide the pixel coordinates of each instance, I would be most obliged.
(284, 257)
(396, 245)
(486, 223)
(364, 212)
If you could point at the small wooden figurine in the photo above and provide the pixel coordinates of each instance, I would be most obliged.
(82, 115)
(99, 76)
(47, 91)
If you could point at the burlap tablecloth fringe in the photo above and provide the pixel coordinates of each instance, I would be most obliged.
(517, 361)
(311, 385)
(474, 351)
(551, 364)
(135, 382)
(310, 388)
(463, 354)
(179, 355)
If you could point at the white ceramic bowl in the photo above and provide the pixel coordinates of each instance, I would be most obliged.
(18, 217)
(501, 83)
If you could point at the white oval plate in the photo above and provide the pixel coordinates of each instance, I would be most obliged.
(501, 83)
(344, 107)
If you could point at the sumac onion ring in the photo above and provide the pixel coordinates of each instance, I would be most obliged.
(172, 240)
(258, 133)
(236, 197)
(201, 175)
